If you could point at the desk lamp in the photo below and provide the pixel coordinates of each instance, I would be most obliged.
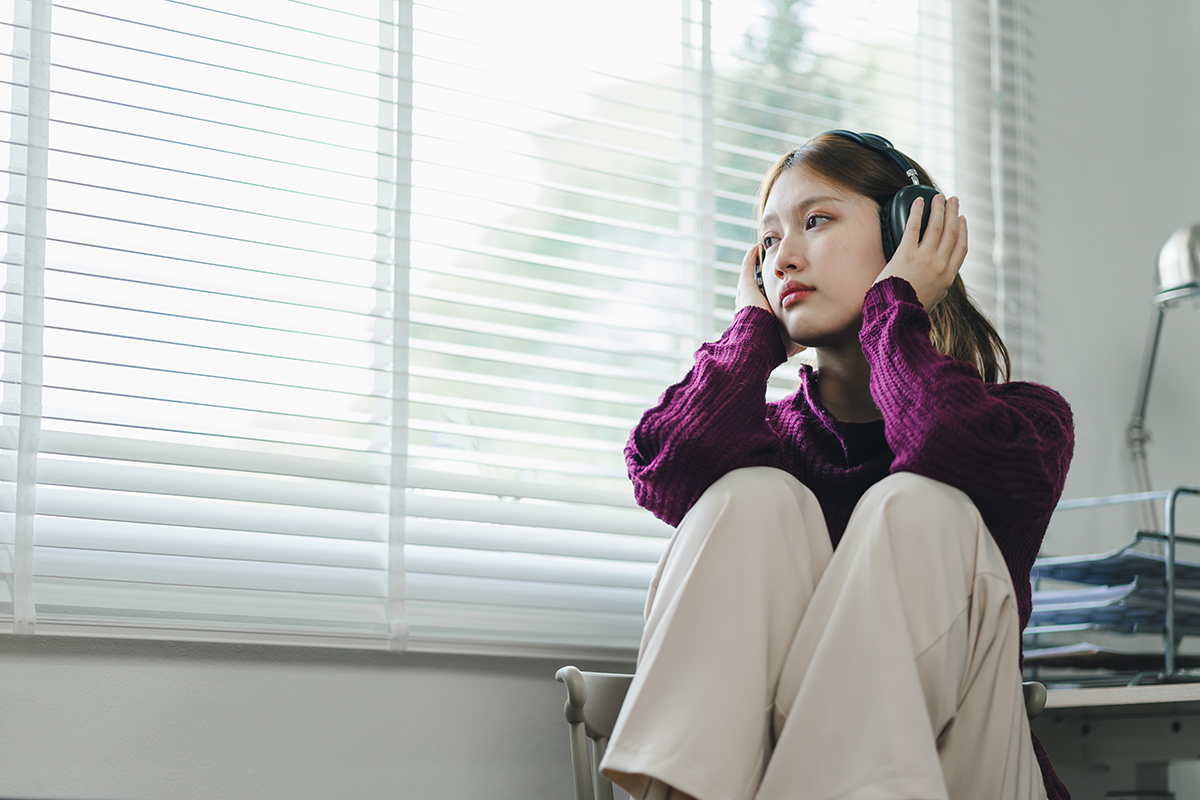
(1178, 278)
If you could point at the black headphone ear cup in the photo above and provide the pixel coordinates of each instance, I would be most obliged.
(896, 214)
(885, 229)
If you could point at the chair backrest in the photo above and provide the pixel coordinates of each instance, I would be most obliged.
(594, 701)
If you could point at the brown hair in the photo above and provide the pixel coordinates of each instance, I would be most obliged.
(959, 329)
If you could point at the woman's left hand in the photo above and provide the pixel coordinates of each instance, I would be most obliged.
(930, 262)
(748, 291)
(749, 294)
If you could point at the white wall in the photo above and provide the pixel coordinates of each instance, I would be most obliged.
(1118, 154)
(1118, 162)
(88, 719)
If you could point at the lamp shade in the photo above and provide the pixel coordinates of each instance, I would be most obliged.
(1179, 265)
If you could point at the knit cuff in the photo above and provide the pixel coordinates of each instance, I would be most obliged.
(756, 329)
(893, 300)
(886, 293)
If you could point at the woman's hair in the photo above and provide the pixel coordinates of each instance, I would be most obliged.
(959, 329)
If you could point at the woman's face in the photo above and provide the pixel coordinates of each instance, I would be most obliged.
(823, 251)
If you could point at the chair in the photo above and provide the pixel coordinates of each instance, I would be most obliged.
(594, 700)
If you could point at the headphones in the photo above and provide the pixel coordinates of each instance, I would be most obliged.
(893, 214)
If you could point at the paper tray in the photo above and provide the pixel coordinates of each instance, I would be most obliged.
(1115, 567)
(1085, 655)
(1130, 607)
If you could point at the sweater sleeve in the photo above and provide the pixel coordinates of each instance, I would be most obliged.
(1007, 446)
(711, 422)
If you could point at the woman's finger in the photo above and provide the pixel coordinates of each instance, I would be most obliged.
(748, 291)
(960, 246)
(937, 217)
(912, 228)
(949, 236)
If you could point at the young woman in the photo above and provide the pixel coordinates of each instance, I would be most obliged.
(838, 614)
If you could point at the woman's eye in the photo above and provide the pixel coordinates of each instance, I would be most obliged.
(814, 220)
(768, 241)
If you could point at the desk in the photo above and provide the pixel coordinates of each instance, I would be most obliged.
(1124, 701)
(1139, 727)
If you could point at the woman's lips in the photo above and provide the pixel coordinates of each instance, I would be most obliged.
(793, 292)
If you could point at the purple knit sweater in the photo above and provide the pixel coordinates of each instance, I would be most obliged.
(1006, 445)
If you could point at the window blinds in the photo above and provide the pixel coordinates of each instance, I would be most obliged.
(328, 323)
(578, 230)
(550, 302)
(200, 324)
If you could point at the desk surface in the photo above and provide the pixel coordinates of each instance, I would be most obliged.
(1124, 701)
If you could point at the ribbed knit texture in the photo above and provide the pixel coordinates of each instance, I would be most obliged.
(1007, 446)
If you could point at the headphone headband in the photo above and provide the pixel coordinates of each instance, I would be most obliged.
(873, 141)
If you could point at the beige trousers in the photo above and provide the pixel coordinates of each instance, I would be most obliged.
(773, 667)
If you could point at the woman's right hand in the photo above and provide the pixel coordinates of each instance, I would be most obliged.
(930, 263)
(748, 294)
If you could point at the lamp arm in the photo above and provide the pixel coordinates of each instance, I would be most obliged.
(1136, 435)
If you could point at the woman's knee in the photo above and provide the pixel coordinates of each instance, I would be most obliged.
(759, 513)
(757, 486)
(931, 532)
(920, 494)
(756, 499)
(916, 503)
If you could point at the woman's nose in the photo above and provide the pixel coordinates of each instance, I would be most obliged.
(787, 259)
